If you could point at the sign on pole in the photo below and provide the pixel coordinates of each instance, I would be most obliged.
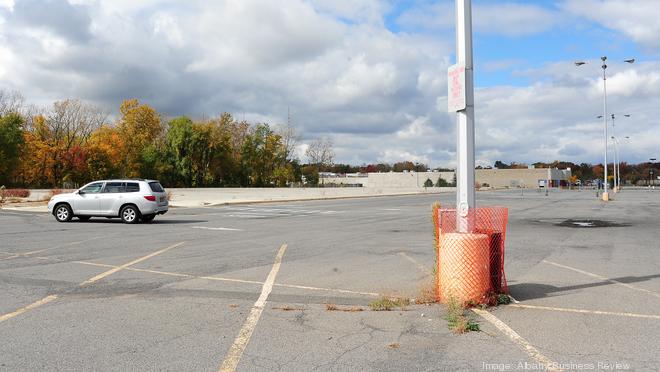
(456, 84)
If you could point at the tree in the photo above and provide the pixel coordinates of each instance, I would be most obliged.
(11, 141)
(441, 182)
(10, 102)
(320, 152)
(139, 127)
(290, 139)
(428, 183)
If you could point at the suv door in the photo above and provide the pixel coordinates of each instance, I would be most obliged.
(112, 195)
(86, 202)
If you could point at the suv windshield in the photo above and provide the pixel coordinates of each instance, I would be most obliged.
(156, 187)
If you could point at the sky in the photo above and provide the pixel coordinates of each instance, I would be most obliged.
(368, 74)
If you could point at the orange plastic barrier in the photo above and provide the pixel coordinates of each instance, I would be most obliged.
(464, 273)
(461, 255)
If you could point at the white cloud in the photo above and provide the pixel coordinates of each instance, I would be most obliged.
(380, 95)
(637, 19)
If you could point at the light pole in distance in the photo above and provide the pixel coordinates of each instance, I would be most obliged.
(604, 67)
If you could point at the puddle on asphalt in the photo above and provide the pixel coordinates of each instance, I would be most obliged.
(590, 223)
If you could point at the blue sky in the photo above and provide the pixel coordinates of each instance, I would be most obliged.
(368, 74)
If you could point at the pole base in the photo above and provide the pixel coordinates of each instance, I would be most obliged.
(606, 196)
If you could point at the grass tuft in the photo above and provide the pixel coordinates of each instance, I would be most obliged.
(456, 319)
(388, 303)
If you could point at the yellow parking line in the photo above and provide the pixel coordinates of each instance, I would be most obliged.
(96, 278)
(15, 255)
(31, 306)
(240, 343)
(119, 268)
(655, 294)
(582, 311)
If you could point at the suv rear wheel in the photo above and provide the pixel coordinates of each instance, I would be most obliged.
(129, 214)
(63, 213)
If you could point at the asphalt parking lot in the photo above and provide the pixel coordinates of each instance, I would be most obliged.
(246, 287)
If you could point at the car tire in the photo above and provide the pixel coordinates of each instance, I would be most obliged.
(84, 218)
(63, 213)
(129, 214)
(148, 218)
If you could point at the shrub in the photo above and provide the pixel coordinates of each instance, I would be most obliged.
(54, 192)
(16, 193)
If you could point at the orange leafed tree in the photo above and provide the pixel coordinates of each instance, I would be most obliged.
(139, 127)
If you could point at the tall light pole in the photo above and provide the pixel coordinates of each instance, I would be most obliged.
(606, 196)
(617, 159)
(617, 167)
(651, 173)
(461, 101)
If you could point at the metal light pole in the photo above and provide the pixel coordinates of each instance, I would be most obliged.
(617, 159)
(465, 195)
(617, 168)
(651, 174)
(606, 196)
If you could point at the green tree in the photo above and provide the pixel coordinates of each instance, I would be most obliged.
(11, 140)
(428, 183)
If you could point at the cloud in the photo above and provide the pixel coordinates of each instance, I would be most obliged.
(636, 19)
(380, 95)
(68, 21)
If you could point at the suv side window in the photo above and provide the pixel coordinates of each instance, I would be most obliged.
(132, 187)
(93, 188)
(113, 187)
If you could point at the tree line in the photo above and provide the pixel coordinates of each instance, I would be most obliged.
(72, 143)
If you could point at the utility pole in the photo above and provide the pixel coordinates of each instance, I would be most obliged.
(465, 196)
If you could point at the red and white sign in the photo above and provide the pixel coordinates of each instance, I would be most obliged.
(456, 84)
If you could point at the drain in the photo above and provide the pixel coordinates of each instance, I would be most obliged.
(589, 223)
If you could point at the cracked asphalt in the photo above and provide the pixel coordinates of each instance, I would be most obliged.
(102, 295)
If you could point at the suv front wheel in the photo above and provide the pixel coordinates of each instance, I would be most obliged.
(129, 214)
(63, 213)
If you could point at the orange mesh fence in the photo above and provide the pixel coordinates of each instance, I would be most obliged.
(470, 259)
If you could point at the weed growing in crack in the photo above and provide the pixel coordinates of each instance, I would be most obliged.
(457, 320)
(388, 304)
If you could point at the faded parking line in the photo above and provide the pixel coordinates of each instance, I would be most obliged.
(656, 294)
(29, 307)
(216, 228)
(118, 268)
(240, 343)
(51, 298)
(583, 311)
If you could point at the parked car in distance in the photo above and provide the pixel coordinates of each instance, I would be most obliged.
(132, 200)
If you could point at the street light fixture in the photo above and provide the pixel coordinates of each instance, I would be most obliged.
(604, 67)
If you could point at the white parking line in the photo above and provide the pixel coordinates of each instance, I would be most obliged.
(216, 228)
(656, 294)
(582, 311)
(516, 338)
(240, 343)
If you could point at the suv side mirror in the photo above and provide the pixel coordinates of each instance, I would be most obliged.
(80, 192)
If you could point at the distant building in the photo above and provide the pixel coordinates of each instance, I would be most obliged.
(496, 178)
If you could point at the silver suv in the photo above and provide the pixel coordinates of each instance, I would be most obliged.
(130, 200)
